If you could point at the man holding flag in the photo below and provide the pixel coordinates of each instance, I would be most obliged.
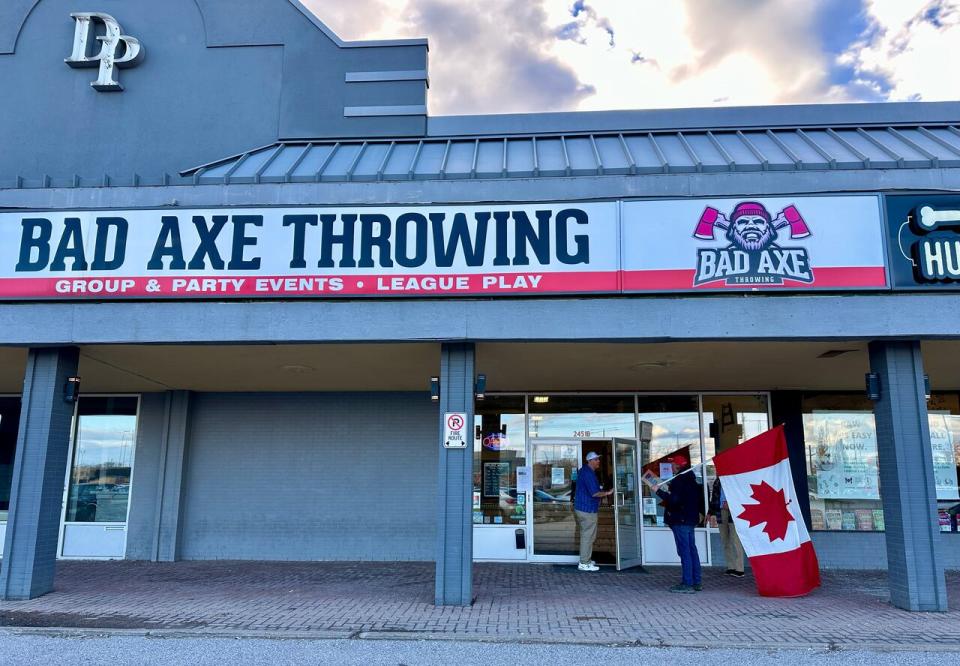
(759, 491)
(683, 499)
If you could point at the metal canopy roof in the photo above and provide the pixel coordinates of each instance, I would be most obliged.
(913, 146)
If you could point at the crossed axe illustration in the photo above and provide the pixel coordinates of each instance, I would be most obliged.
(788, 217)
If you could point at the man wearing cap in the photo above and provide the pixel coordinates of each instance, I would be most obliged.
(684, 506)
(586, 504)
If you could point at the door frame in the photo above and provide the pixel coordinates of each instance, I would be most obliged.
(74, 425)
(638, 503)
(531, 517)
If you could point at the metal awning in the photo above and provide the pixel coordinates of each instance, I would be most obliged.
(591, 154)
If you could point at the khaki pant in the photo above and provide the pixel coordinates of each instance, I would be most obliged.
(587, 522)
(732, 548)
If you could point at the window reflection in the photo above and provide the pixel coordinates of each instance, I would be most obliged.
(102, 460)
(499, 448)
(674, 428)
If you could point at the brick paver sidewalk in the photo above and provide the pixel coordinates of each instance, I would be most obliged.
(513, 602)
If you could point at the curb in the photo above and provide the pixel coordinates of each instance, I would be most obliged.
(243, 634)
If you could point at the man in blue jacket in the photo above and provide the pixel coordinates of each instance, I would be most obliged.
(586, 504)
(683, 499)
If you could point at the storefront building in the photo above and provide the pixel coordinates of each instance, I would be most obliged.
(310, 322)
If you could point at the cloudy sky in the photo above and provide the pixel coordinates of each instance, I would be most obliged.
(498, 56)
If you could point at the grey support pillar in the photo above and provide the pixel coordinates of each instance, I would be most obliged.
(906, 478)
(36, 495)
(170, 487)
(454, 584)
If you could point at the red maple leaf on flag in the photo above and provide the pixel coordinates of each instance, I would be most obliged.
(771, 508)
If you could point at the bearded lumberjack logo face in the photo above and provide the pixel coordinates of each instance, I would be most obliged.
(753, 256)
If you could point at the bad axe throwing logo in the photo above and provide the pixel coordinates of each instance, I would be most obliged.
(753, 256)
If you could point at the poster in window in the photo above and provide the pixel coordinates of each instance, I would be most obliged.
(944, 462)
(864, 519)
(878, 523)
(494, 475)
(849, 520)
(833, 518)
(843, 451)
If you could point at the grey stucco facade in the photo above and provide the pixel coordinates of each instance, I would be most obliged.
(338, 474)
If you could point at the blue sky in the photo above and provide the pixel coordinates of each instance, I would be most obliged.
(498, 56)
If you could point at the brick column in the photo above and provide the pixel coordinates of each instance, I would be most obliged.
(454, 582)
(43, 443)
(906, 478)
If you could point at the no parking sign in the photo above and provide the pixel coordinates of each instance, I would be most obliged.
(454, 430)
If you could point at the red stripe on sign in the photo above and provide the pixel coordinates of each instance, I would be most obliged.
(251, 286)
(825, 277)
(790, 574)
(766, 449)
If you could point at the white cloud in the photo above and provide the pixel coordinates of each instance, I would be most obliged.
(499, 56)
(909, 49)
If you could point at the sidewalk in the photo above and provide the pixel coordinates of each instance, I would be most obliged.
(513, 602)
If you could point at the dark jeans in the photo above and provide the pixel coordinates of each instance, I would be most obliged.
(687, 550)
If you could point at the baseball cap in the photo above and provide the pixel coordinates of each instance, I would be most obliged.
(679, 459)
(593, 455)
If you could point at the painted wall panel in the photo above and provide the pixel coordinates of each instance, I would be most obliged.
(311, 477)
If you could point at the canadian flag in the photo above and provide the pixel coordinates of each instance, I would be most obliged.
(763, 503)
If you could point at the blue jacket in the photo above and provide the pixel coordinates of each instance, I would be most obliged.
(587, 485)
(684, 501)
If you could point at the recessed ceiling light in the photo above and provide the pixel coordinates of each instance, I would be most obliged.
(651, 365)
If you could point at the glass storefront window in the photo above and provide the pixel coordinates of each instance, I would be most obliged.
(943, 411)
(499, 448)
(673, 428)
(99, 489)
(842, 469)
(581, 416)
(9, 423)
(730, 420)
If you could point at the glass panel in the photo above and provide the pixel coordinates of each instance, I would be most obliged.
(842, 471)
(587, 417)
(627, 504)
(102, 460)
(555, 468)
(499, 448)
(9, 423)
(730, 420)
(944, 417)
(668, 425)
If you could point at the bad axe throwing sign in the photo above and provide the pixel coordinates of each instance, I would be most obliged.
(454, 429)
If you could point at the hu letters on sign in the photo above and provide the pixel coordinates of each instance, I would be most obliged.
(327, 241)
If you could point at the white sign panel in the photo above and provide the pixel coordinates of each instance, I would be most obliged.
(753, 243)
(454, 430)
(291, 252)
(681, 245)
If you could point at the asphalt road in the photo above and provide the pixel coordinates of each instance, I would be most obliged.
(91, 649)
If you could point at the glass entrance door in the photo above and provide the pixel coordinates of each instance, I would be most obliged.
(627, 503)
(555, 465)
(98, 486)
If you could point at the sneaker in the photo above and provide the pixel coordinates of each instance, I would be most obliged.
(682, 589)
(698, 588)
(588, 567)
(737, 574)
(729, 572)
